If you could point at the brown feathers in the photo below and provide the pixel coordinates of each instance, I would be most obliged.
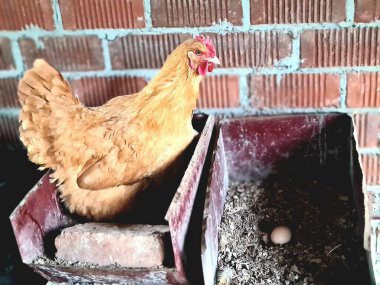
(103, 157)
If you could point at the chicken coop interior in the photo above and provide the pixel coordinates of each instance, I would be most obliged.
(210, 142)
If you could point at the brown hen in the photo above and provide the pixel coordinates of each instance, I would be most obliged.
(102, 157)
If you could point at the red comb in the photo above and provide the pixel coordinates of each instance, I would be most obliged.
(208, 43)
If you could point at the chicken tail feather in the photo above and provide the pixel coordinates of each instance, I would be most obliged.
(44, 95)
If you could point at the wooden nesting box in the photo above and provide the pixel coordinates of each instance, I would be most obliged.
(320, 147)
(39, 217)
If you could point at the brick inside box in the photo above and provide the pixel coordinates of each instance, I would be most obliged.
(142, 246)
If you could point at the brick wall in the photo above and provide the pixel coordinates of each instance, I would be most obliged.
(278, 56)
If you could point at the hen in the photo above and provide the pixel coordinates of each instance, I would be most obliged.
(102, 157)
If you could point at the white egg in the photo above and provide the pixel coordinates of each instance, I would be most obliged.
(281, 235)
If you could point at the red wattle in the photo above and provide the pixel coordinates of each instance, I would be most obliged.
(203, 68)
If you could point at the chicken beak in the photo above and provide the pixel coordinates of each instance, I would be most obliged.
(214, 60)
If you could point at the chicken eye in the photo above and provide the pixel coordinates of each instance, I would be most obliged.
(198, 52)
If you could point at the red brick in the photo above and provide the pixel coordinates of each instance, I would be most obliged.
(19, 14)
(219, 92)
(148, 51)
(182, 13)
(95, 91)
(367, 129)
(93, 14)
(371, 168)
(294, 91)
(6, 58)
(367, 10)
(72, 53)
(108, 244)
(9, 129)
(363, 90)
(291, 11)
(341, 47)
(8, 93)
(256, 49)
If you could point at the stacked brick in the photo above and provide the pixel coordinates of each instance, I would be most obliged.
(278, 56)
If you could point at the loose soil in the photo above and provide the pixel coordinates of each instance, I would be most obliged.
(325, 248)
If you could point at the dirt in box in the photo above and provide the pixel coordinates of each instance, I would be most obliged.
(326, 247)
